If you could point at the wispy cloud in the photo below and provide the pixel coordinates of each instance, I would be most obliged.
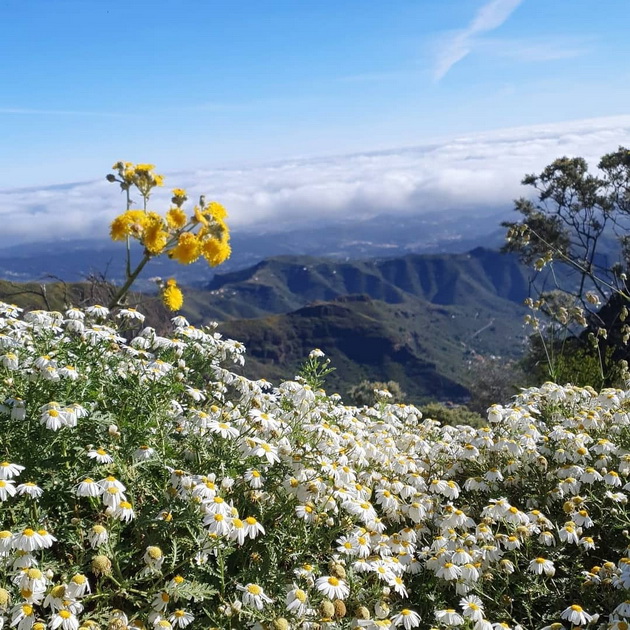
(535, 49)
(489, 17)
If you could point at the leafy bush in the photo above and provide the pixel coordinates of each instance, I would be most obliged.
(453, 415)
(144, 484)
(371, 392)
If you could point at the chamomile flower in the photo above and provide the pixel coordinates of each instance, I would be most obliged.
(254, 478)
(28, 540)
(541, 565)
(7, 489)
(407, 618)
(9, 471)
(143, 453)
(181, 618)
(449, 617)
(160, 601)
(78, 586)
(252, 527)
(472, 607)
(23, 616)
(254, 596)
(30, 489)
(100, 455)
(332, 587)
(97, 536)
(124, 512)
(296, 601)
(88, 488)
(576, 615)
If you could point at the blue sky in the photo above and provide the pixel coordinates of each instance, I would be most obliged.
(219, 88)
(206, 83)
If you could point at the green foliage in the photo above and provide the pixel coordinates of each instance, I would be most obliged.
(575, 233)
(315, 369)
(144, 483)
(371, 393)
(452, 415)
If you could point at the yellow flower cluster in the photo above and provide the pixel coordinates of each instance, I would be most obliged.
(175, 233)
(181, 237)
(139, 175)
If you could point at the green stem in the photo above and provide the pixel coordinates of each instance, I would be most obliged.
(115, 301)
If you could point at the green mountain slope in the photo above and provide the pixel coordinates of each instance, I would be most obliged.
(284, 284)
(429, 349)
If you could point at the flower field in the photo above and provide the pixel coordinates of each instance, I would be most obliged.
(144, 484)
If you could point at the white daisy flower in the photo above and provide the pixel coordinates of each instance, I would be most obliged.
(97, 536)
(23, 616)
(30, 489)
(124, 512)
(472, 607)
(7, 489)
(407, 618)
(6, 540)
(238, 532)
(88, 488)
(78, 586)
(160, 601)
(8, 470)
(143, 453)
(541, 565)
(100, 455)
(254, 478)
(253, 527)
(332, 587)
(449, 616)
(28, 540)
(224, 429)
(296, 601)
(181, 618)
(253, 595)
(576, 615)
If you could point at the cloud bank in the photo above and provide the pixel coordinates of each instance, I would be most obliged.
(457, 174)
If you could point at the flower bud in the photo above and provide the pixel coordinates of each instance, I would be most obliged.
(5, 598)
(337, 570)
(280, 624)
(340, 608)
(327, 609)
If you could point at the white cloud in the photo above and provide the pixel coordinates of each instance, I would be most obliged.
(489, 17)
(534, 49)
(456, 174)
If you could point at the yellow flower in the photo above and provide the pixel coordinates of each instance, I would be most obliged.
(187, 250)
(176, 218)
(144, 168)
(215, 251)
(179, 196)
(155, 237)
(217, 211)
(130, 223)
(172, 296)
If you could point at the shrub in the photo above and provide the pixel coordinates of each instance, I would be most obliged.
(143, 483)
